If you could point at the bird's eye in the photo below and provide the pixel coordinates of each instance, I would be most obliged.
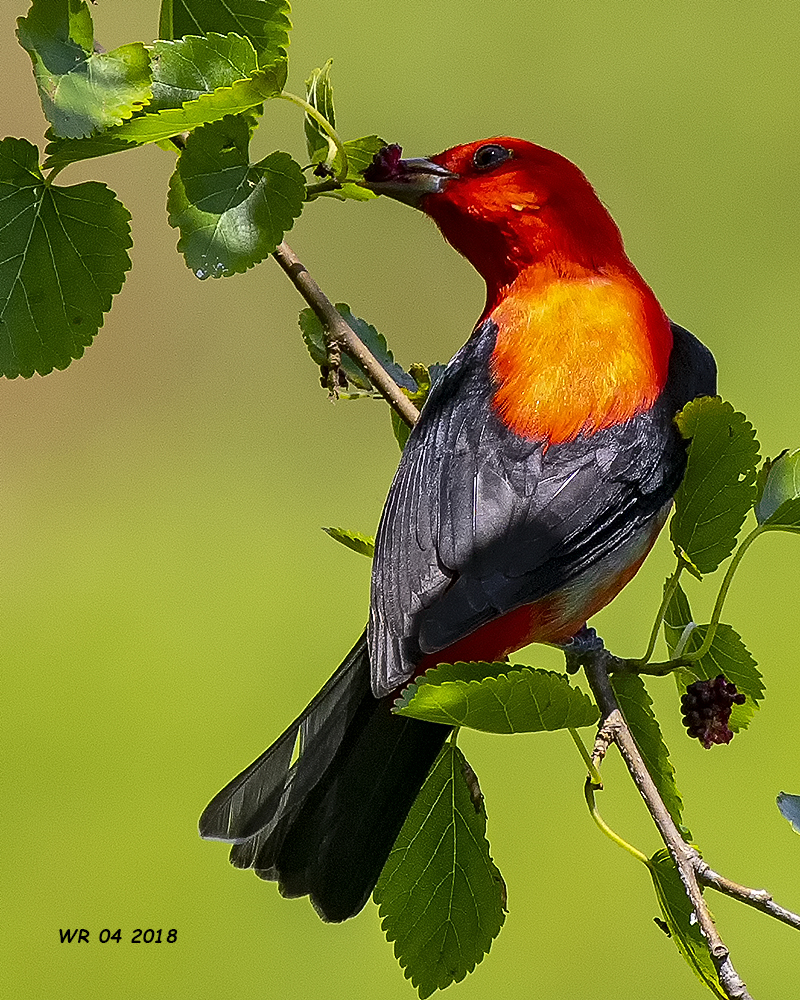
(489, 157)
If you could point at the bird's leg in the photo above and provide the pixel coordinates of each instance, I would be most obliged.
(585, 643)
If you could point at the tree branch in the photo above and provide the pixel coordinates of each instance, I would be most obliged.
(344, 334)
(684, 855)
(759, 899)
(597, 664)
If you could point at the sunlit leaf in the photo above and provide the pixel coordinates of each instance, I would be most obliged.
(441, 898)
(637, 707)
(319, 94)
(81, 90)
(789, 806)
(185, 69)
(231, 213)
(728, 655)
(265, 22)
(779, 503)
(64, 257)
(240, 97)
(360, 153)
(719, 487)
(354, 540)
(681, 920)
(497, 698)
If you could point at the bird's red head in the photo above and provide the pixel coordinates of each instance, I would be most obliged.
(582, 342)
(506, 204)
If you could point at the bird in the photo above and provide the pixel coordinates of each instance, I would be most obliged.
(537, 478)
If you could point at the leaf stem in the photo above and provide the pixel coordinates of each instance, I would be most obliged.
(588, 792)
(723, 593)
(669, 591)
(594, 774)
(326, 127)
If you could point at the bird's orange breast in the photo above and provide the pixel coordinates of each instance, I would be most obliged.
(577, 353)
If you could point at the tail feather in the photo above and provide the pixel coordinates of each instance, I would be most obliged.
(325, 825)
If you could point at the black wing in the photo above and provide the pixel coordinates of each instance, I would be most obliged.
(480, 521)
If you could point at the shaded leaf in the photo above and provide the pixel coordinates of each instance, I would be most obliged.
(779, 503)
(265, 22)
(425, 378)
(185, 69)
(319, 94)
(789, 806)
(81, 90)
(312, 332)
(681, 921)
(719, 486)
(363, 544)
(497, 698)
(637, 707)
(440, 895)
(400, 428)
(64, 257)
(239, 97)
(728, 655)
(231, 213)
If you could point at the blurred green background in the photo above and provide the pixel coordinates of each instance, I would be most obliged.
(169, 602)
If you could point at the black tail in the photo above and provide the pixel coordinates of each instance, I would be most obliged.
(324, 826)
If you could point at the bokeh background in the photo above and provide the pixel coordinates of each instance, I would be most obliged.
(169, 602)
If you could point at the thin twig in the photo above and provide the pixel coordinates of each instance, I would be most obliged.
(620, 666)
(683, 854)
(350, 343)
(760, 899)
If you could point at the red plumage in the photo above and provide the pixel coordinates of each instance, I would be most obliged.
(529, 492)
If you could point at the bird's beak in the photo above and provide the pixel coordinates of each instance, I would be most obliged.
(408, 180)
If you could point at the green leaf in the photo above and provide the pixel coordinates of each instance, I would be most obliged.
(265, 22)
(165, 20)
(497, 698)
(677, 616)
(81, 90)
(400, 428)
(681, 921)
(312, 332)
(728, 655)
(637, 707)
(345, 192)
(779, 504)
(185, 69)
(789, 806)
(64, 257)
(360, 153)
(319, 94)
(236, 99)
(719, 486)
(231, 213)
(440, 896)
(425, 378)
(363, 544)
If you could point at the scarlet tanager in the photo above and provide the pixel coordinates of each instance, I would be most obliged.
(531, 489)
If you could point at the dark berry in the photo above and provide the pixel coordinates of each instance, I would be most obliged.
(706, 709)
(385, 164)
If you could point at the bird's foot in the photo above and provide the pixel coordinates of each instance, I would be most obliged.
(584, 643)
